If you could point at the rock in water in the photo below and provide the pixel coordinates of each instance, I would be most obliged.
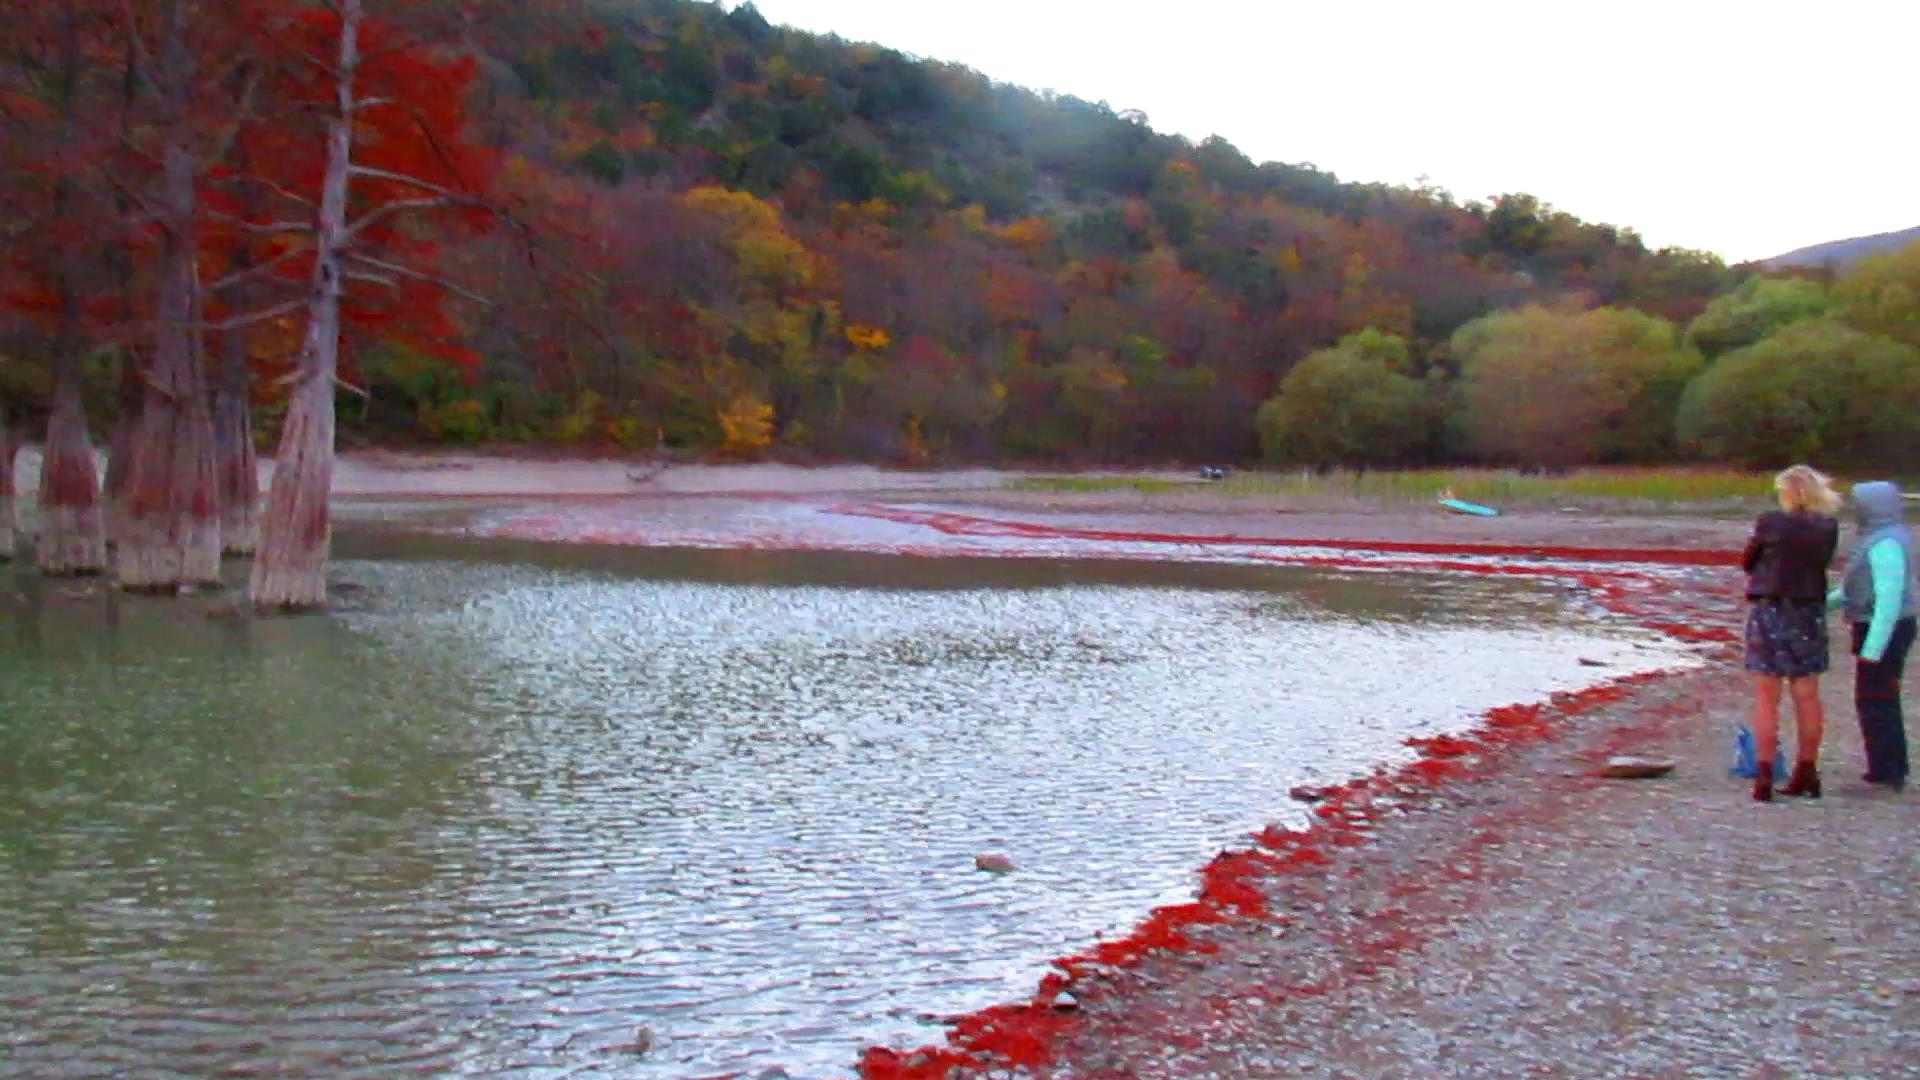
(1636, 768)
(993, 863)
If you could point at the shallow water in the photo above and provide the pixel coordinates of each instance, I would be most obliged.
(512, 804)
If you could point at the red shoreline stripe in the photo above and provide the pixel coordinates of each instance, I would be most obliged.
(1027, 1035)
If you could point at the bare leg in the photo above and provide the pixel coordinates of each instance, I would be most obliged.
(1766, 718)
(1810, 719)
(1766, 734)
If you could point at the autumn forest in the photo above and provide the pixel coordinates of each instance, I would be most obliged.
(617, 225)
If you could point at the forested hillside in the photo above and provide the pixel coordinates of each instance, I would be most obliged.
(691, 225)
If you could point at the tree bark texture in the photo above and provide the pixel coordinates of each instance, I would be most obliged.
(120, 445)
(7, 518)
(236, 461)
(73, 538)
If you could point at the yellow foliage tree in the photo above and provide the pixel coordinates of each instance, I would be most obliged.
(755, 236)
(866, 337)
(746, 424)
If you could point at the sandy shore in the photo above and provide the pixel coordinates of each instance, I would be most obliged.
(396, 476)
(1532, 921)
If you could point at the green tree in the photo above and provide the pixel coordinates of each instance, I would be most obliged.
(1881, 295)
(1564, 388)
(604, 163)
(1760, 306)
(1814, 390)
(1517, 225)
(1354, 403)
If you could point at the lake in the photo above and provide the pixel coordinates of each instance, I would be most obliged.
(518, 808)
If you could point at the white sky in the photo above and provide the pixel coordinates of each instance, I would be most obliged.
(1747, 128)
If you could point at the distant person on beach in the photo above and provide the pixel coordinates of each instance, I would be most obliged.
(1786, 562)
(1879, 596)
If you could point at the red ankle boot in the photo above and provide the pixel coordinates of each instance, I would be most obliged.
(1763, 782)
(1805, 781)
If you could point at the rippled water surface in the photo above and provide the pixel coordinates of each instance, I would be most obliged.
(518, 810)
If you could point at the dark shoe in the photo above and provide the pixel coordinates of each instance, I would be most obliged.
(1763, 782)
(1805, 781)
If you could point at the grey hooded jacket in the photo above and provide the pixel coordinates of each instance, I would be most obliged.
(1880, 511)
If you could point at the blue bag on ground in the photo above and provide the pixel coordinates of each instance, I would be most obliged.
(1743, 750)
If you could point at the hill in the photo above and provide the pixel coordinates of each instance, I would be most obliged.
(734, 236)
(1841, 254)
(797, 241)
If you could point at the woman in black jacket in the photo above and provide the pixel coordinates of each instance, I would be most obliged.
(1786, 562)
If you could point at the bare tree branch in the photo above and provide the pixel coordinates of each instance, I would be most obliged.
(257, 317)
(371, 278)
(420, 275)
(262, 226)
(398, 206)
(250, 178)
(252, 272)
(368, 173)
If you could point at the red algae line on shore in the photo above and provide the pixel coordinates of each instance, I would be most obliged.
(958, 524)
(1026, 1035)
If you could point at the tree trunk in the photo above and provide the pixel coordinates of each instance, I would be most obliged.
(6, 491)
(172, 503)
(290, 569)
(73, 539)
(173, 506)
(234, 456)
(120, 447)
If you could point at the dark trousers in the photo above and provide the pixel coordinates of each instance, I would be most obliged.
(1876, 696)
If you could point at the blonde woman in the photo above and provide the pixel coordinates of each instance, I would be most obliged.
(1786, 562)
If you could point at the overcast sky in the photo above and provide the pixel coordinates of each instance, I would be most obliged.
(1744, 128)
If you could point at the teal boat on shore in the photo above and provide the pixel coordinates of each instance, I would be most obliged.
(1460, 506)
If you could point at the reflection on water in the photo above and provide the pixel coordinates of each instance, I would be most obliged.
(497, 817)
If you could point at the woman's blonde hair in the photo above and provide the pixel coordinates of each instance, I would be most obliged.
(1805, 488)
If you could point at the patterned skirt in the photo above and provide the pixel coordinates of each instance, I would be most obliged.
(1787, 638)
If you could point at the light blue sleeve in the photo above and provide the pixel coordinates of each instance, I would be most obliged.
(1889, 564)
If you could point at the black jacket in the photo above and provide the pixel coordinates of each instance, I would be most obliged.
(1788, 556)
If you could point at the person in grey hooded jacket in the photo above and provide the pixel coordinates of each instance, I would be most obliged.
(1881, 598)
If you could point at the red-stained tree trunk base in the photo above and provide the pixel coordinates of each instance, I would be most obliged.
(296, 531)
(239, 474)
(8, 518)
(120, 454)
(172, 536)
(73, 538)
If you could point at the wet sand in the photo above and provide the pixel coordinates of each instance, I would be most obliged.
(395, 476)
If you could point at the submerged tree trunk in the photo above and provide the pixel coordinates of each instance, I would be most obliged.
(120, 447)
(172, 533)
(7, 449)
(172, 523)
(290, 568)
(72, 539)
(235, 460)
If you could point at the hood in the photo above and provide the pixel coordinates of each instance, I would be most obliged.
(1878, 503)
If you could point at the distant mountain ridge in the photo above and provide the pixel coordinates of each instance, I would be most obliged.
(1843, 253)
